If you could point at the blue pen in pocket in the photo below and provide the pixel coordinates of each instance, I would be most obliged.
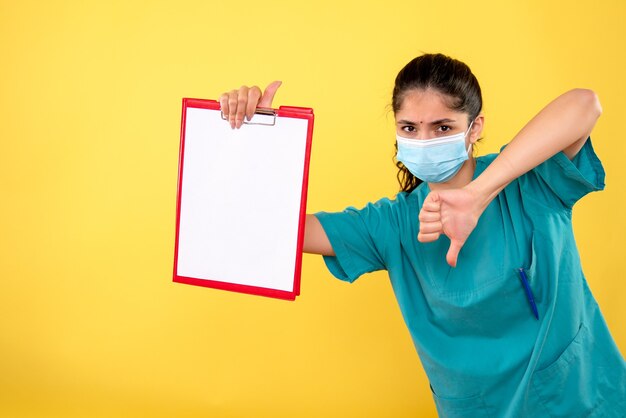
(528, 291)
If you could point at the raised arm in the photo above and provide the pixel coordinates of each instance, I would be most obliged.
(563, 125)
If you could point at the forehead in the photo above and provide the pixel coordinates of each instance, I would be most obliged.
(425, 105)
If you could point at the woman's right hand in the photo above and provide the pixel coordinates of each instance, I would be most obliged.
(241, 103)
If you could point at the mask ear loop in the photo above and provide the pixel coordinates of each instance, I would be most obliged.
(470, 144)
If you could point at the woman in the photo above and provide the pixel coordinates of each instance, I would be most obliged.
(480, 251)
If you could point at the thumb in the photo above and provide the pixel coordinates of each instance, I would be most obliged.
(268, 94)
(453, 252)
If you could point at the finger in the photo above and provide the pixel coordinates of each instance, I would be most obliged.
(431, 206)
(430, 227)
(232, 107)
(428, 216)
(432, 202)
(242, 102)
(224, 104)
(268, 94)
(453, 252)
(434, 236)
(254, 94)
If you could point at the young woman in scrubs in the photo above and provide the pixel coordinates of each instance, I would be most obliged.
(480, 251)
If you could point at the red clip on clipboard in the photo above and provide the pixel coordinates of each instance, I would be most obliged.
(241, 201)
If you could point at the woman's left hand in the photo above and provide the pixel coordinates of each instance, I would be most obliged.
(454, 213)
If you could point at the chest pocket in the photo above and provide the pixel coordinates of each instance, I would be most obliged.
(490, 291)
(481, 261)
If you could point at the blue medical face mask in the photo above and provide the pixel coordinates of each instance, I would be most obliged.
(434, 160)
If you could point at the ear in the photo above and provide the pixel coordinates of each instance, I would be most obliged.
(477, 128)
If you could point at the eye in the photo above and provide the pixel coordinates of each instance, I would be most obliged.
(408, 128)
(444, 128)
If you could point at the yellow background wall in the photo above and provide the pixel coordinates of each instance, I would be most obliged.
(90, 96)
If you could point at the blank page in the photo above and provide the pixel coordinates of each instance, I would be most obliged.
(240, 199)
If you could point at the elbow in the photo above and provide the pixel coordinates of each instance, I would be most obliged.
(589, 100)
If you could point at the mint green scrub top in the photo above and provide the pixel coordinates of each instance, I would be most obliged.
(485, 353)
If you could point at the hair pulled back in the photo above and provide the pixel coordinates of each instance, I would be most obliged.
(446, 75)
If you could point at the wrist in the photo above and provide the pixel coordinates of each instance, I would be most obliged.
(482, 191)
(495, 178)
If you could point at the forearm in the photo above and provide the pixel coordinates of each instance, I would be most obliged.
(563, 125)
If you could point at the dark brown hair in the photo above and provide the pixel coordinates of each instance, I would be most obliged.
(445, 75)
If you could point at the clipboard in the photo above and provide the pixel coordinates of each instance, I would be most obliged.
(241, 199)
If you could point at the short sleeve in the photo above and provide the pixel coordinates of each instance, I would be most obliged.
(560, 181)
(358, 238)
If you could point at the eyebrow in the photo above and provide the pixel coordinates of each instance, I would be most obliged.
(435, 122)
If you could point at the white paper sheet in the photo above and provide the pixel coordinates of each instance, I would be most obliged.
(240, 200)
